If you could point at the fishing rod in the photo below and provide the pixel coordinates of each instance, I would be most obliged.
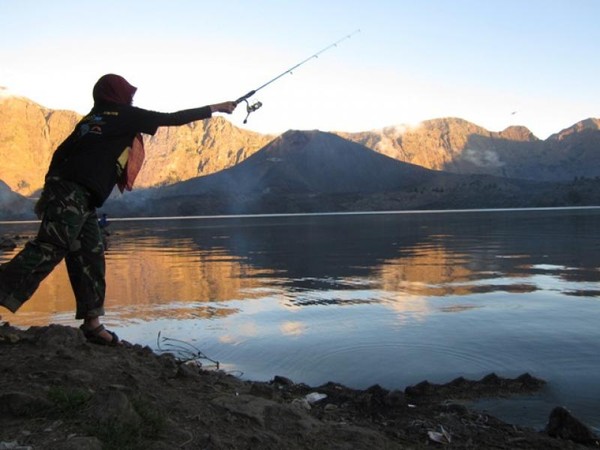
(250, 108)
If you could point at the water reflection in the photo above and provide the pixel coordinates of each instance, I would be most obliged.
(175, 267)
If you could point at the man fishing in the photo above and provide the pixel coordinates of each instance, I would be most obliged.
(105, 149)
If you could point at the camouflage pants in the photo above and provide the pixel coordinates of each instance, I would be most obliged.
(69, 230)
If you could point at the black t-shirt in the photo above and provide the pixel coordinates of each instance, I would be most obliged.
(89, 155)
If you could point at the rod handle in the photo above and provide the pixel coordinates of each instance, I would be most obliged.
(245, 97)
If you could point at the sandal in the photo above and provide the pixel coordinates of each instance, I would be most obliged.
(93, 336)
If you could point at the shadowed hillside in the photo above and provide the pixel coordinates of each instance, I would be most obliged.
(30, 133)
(299, 171)
(312, 171)
(308, 162)
(214, 167)
(14, 206)
(448, 143)
(197, 149)
(458, 146)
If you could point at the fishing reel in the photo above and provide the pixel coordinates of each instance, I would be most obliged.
(250, 108)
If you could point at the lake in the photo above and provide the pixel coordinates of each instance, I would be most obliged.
(362, 299)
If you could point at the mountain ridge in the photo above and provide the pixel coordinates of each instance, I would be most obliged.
(195, 151)
(178, 153)
(311, 161)
(315, 171)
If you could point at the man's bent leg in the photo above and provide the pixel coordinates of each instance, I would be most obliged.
(64, 213)
(21, 276)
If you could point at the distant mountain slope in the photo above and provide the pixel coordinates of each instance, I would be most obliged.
(588, 125)
(458, 146)
(575, 150)
(308, 162)
(446, 140)
(179, 153)
(313, 171)
(14, 206)
(297, 172)
(29, 134)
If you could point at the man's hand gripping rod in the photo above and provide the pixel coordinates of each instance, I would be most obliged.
(250, 108)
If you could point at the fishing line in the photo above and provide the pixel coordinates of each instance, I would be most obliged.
(250, 108)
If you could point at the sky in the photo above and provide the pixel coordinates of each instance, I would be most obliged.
(495, 63)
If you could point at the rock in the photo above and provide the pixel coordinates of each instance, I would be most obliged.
(419, 390)
(315, 397)
(263, 390)
(8, 337)
(277, 379)
(13, 445)
(330, 407)
(301, 403)
(7, 243)
(20, 404)
(395, 399)
(56, 336)
(80, 443)
(79, 377)
(168, 361)
(562, 424)
(115, 407)
(160, 446)
(285, 418)
(250, 407)
(489, 385)
(529, 382)
(266, 413)
(188, 371)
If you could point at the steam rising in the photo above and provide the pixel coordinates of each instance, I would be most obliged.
(482, 158)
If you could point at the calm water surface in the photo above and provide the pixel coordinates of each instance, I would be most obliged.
(391, 299)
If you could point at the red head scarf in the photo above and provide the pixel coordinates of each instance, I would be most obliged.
(113, 88)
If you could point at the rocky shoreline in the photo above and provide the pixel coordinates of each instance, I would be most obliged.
(60, 392)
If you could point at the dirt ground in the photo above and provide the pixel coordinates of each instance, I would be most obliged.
(59, 392)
